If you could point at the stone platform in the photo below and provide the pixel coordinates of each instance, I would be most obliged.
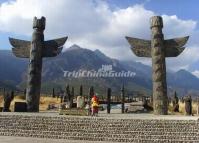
(105, 128)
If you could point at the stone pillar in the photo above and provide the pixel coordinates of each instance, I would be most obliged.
(81, 91)
(8, 97)
(188, 105)
(123, 99)
(158, 49)
(66, 94)
(109, 100)
(53, 94)
(73, 91)
(175, 102)
(35, 66)
(159, 68)
(24, 94)
(72, 96)
(35, 50)
(197, 105)
(91, 93)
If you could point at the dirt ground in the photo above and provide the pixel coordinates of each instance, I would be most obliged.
(44, 102)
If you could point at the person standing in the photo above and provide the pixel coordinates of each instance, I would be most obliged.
(94, 105)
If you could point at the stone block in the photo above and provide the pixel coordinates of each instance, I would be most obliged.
(20, 107)
(80, 102)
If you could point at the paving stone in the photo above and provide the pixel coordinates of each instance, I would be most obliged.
(103, 128)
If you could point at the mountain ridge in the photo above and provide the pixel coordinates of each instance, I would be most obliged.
(76, 58)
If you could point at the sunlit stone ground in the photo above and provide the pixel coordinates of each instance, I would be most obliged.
(9, 139)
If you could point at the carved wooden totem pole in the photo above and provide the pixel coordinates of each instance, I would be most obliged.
(36, 50)
(158, 49)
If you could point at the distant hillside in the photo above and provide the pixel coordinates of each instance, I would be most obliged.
(13, 72)
(11, 68)
(76, 58)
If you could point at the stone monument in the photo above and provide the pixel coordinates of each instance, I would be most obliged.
(8, 97)
(36, 50)
(67, 94)
(158, 49)
(68, 97)
(81, 90)
(188, 105)
(197, 105)
(109, 100)
(53, 93)
(90, 94)
(123, 99)
(175, 102)
(80, 102)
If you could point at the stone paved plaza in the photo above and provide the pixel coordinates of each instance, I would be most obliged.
(10, 139)
(115, 114)
(50, 127)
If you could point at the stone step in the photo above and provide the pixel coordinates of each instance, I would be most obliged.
(95, 136)
(103, 126)
(96, 128)
(100, 129)
(118, 140)
(104, 132)
(94, 119)
(97, 122)
(85, 128)
(123, 125)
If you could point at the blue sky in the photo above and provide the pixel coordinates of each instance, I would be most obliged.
(185, 9)
(103, 24)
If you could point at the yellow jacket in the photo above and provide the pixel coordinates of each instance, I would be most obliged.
(94, 102)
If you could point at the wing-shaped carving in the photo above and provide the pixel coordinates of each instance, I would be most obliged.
(21, 48)
(140, 47)
(53, 47)
(174, 47)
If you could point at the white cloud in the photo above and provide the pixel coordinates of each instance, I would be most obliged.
(183, 61)
(63, 17)
(92, 24)
(175, 27)
(196, 73)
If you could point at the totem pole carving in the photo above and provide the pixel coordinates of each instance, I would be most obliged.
(158, 49)
(36, 50)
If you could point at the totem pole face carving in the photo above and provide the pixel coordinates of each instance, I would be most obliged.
(158, 49)
(35, 51)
